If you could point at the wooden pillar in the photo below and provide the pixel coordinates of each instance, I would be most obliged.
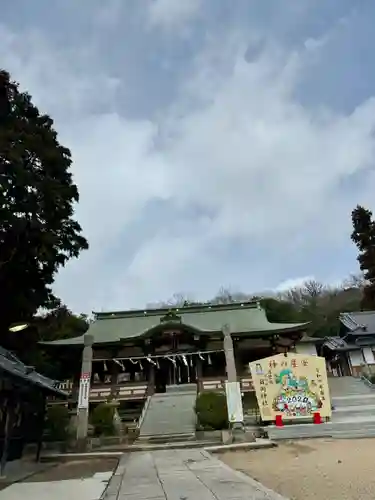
(199, 373)
(151, 379)
(148, 367)
(237, 360)
(114, 369)
(42, 417)
(9, 411)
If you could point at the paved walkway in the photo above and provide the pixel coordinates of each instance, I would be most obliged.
(182, 475)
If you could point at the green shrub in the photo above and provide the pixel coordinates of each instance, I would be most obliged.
(56, 426)
(211, 410)
(102, 420)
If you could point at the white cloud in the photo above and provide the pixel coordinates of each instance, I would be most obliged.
(251, 153)
(173, 13)
(235, 145)
(292, 283)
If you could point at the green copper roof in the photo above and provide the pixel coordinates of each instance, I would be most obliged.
(246, 318)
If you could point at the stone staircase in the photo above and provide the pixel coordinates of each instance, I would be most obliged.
(170, 416)
(353, 415)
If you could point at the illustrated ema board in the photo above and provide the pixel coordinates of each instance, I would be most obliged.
(291, 385)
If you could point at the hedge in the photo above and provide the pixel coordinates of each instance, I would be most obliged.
(211, 410)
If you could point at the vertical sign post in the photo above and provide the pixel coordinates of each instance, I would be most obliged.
(84, 394)
(84, 390)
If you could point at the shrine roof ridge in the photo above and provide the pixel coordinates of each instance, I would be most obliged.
(243, 318)
(194, 308)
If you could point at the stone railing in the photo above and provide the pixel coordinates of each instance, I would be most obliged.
(218, 383)
(129, 390)
(67, 386)
(103, 392)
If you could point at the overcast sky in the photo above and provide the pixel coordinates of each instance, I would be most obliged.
(215, 142)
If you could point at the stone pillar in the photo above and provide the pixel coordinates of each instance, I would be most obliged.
(229, 355)
(238, 428)
(83, 412)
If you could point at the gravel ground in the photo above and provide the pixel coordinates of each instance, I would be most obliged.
(310, 469)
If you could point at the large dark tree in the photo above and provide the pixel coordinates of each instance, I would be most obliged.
(38, 232)
(363, 236)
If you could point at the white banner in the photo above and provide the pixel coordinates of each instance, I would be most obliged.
(84, 391)
(234, 401)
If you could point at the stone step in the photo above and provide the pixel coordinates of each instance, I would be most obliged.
(170, 414)
(174, 394)
(353, 420)
(276, 434)
(161, 431)
(139, 446)
(366, 411)
(181, 388)
(183, 406)
(163, 438)
(353, 400)
(345, 385)
(345, 427)
(354, 433)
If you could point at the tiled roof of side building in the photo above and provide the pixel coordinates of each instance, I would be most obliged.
(242, 318)
(13, 367)
(361, 322)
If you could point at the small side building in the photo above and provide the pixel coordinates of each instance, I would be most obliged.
(352, 351)
(23, 400)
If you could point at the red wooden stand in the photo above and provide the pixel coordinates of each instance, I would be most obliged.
(279, 421)
(317, 418)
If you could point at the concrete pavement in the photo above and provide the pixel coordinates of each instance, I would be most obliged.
(182, 475)
(90, 488)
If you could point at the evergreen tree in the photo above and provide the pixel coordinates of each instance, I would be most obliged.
(363, 236)
(38, 233)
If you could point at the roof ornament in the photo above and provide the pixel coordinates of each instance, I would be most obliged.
(171, 317)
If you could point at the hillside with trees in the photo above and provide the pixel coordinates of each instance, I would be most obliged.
(314, 302)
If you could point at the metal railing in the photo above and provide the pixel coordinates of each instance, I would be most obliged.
(144, 411)
(365, 378)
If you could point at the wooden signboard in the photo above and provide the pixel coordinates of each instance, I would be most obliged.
(292, 385)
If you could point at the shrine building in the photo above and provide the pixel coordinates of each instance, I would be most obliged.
(139, 352)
